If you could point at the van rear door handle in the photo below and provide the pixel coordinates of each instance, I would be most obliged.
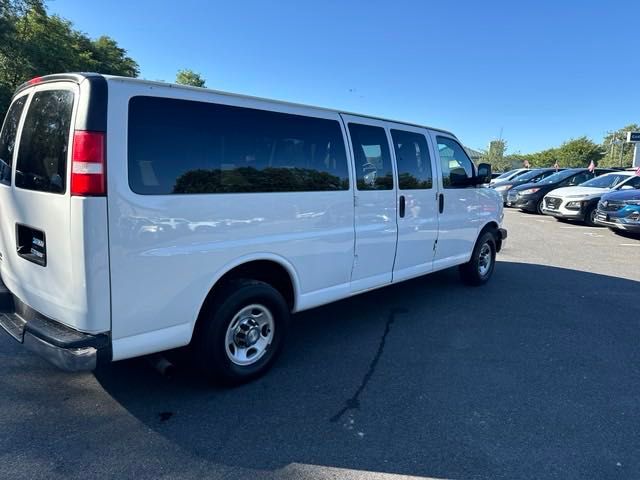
(441, 203)
(401, 206)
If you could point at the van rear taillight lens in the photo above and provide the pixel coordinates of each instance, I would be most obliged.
(88, 168)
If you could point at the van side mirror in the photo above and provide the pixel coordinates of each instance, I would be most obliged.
(484, 174)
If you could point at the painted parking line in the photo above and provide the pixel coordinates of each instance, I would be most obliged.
(630, 244)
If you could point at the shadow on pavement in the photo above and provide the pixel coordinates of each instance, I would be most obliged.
(535, 375)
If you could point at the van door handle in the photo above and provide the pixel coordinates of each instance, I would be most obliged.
(401, 206)
(441, 203)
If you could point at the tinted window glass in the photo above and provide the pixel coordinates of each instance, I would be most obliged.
(634, 182)
(372, 157)
(579, 178)
(42, 157)
(414, 163)
(605, 181)
(455, 162)
(506, 175)
(547, 174)
(530, 175)
(8, 138)
(558, 177)
(179, 146)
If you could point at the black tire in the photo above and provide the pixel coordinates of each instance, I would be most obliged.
(539, 206)
(471, 272)
(590, 216)
(209, 350)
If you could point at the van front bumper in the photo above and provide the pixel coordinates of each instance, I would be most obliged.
(64, 347)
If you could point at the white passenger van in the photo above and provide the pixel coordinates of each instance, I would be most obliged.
(138, 217)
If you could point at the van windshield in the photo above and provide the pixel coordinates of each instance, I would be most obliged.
(44, 142)
(8, 138)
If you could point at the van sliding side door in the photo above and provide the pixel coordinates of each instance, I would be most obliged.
(417, 201)
(375, 203)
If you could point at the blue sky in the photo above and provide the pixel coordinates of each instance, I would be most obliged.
(542, 72)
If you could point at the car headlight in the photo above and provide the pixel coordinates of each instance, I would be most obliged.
(573, 205)
(529, 191)
(502, 188)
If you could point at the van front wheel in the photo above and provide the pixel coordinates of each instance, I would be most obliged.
(241, 332)
(478, 270)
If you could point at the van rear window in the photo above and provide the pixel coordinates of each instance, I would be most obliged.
(182, 147)
(44, 142)
(8, 138)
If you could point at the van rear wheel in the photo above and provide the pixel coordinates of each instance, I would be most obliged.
(479, 269)
(241, 332)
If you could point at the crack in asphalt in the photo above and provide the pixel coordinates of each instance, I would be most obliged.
(353, 403)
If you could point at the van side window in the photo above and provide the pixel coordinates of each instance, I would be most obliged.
(8, 139)
(44, 142)
(454, 160)
(412, 157)
(372, 157)
(181, 146)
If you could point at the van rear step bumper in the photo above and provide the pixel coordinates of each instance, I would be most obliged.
(64, 347)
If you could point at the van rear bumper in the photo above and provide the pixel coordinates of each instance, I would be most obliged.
(64, 347)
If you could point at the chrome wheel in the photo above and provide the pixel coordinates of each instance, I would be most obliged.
(484, 260)
(249, 335)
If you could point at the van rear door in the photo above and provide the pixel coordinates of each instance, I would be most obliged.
(53, 245)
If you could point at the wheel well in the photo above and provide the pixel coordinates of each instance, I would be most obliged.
(492, 227)
(263, 270)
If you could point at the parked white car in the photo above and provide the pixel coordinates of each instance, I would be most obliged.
(511, 174)
(138, 217)
(581, 202)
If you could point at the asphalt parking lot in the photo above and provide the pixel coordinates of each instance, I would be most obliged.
(536, 375)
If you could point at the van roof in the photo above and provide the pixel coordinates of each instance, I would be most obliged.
(78, 77)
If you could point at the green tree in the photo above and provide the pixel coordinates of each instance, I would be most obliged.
(34, 43)
(189, 77)
(614, 143)
(496, 156)
(578, 152)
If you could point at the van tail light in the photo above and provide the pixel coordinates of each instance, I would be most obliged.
(88, 168)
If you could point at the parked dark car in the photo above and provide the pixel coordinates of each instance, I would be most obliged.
(529, 197)
(620, 211)
(532, 176)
